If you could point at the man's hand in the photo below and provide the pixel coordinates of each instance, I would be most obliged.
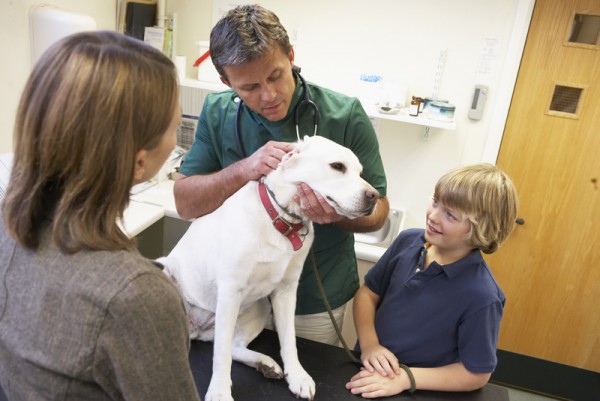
(315, 206)
(266, 159)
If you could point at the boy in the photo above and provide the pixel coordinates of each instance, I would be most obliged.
(431, 301)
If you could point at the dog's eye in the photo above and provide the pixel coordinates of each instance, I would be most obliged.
(341, 167)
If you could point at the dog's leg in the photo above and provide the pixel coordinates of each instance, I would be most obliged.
(249, 325)
(228, 306)
(201, 323)
(284, 308)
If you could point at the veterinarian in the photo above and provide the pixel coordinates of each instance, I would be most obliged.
(236, 143)
(431, 302)
(82, 314)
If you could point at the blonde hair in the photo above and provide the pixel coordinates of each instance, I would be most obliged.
(92, 101)
(486, 196)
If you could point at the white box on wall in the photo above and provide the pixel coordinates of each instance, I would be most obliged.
(206, 69)
(48, 24)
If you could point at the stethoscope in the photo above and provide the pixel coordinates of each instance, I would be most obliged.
(304, 102)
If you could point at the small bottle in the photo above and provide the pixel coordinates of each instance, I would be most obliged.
(414, 107)
(421, 104)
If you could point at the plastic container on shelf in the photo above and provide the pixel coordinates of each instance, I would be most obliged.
(441, 111)
(206, 70)
(370, 89)
(428, 101)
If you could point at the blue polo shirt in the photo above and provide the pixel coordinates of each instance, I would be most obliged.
(438, 316)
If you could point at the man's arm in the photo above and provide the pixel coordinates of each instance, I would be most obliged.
(198, 195)
(372, 222)
(318, 210)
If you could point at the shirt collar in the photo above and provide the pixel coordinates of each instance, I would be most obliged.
(474, 258)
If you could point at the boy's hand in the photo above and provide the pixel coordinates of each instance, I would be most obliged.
(373, 385)
(377, 358)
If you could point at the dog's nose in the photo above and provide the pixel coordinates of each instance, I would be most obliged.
(372, 194)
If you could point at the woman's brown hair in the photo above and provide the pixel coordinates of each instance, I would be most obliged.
(92, 101)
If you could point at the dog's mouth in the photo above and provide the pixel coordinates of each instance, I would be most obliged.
(350, 213)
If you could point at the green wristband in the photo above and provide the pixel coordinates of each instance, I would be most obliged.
(413, 384)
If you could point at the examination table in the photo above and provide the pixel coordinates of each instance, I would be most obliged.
(329, 366)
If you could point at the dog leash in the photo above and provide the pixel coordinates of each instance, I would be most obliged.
(352, 357)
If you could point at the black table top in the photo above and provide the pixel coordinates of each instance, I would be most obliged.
(329, 366)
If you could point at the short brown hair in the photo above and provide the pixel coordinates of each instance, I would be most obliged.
(487, 198)
(245, 33)
(91, 102)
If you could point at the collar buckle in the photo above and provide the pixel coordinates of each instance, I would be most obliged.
(277, 223)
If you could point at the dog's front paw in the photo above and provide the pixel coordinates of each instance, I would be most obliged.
(218, 392)
(270, 369)
(301, 384)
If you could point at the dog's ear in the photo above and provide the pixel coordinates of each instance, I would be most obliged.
(302, 143)
(290, 159)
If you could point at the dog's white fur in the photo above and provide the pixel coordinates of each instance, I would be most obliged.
(231, 260)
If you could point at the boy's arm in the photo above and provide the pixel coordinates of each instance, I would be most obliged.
(374, 356)
(454, 377)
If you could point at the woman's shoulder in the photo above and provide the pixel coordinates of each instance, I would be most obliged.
(130, 264)
(105, 274)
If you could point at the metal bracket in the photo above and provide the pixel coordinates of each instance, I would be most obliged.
(426, 134)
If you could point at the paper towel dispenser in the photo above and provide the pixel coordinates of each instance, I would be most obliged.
(48, 24)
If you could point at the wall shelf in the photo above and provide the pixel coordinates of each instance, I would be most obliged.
(405, 118)
(371, 110)
(209, 86)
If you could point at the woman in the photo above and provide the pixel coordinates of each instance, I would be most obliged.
(82, 314)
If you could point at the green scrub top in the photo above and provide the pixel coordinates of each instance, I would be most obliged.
(343, 120)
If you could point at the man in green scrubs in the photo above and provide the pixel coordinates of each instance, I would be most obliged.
(252, 53)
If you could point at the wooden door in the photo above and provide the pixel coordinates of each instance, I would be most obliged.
(550, 266)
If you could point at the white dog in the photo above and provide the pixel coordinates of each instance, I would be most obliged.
(231, 261)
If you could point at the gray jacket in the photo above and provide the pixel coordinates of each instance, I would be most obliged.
(94, 325)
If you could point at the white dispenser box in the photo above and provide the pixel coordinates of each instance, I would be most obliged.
(206, 70)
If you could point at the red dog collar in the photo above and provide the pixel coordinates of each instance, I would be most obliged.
(289, 230)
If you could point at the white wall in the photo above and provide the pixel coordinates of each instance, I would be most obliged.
(15, 47)
(337, 40)
(195, 22)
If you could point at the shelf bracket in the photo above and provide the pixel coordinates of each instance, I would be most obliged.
(436, 84)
